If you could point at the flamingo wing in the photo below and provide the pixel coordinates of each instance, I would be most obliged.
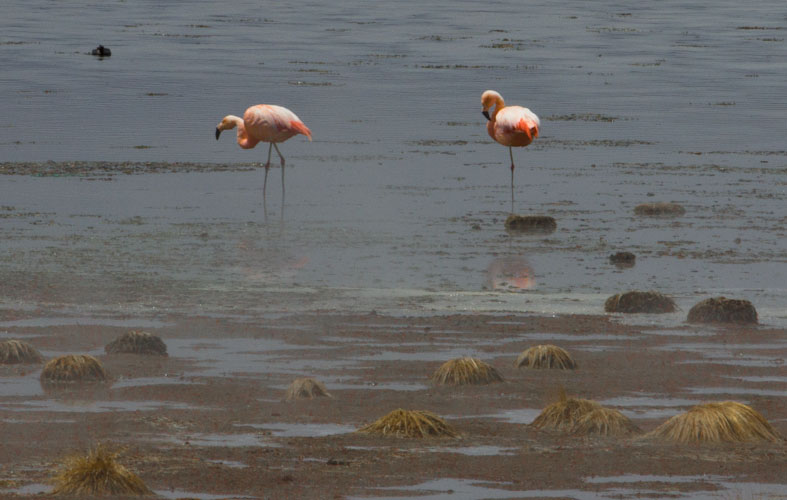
(271, 123)
(516, 119)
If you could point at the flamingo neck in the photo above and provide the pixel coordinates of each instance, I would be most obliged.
(244, 141)
(499, 104)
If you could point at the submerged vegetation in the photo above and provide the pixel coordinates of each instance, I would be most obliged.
(604, 422)
(531, 223)
(636, 301)
(18, 352)
(306, 388)
(464, 371)
(135, 342)
(411, 424)
(74, 368)
(660, 209)
(545, 356)
(564, 414)
(723, 310)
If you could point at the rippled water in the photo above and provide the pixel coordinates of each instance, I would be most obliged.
(399, 202)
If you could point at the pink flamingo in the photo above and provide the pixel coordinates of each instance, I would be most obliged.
(512, 126)
(265, 123)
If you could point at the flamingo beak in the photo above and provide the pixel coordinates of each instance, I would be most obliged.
(218, 132)
(486, 114)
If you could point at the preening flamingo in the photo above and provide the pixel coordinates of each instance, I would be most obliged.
(265, 123)
(512, 126)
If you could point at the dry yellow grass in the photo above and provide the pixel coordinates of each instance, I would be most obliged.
(464, 371)
(410, 423)
(98, 474)
(723, 310)
(74, 368)
(18, 352)
(564, 414)
(135, 342)
(727, 421)
(545, 356)
(306, 388)
(636, 301)
(604, 422)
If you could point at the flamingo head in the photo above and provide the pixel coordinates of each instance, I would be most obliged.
(226, 123)
(489, 99)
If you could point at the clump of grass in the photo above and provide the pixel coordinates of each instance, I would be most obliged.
(18, 352)
(636, 301)
(531, 223)
(661, 209)
(545, 356)
(97, 473)
(135, 342)
(410, 423)
(564, 414)
(623, 259)
(604, 422)
(306, 388)
(464, 371)
(723, 310)
(74, 368)
(726, 421)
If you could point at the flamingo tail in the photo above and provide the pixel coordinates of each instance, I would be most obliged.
(301, 129)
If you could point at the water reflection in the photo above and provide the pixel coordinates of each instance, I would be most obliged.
(510, 273)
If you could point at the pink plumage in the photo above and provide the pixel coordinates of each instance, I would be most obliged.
(265, 123)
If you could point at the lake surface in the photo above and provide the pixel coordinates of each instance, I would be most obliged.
(398, 204)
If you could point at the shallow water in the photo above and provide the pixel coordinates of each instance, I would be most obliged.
(398, 203)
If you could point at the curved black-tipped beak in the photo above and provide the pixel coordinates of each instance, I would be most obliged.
(485, 113)
(218, 133)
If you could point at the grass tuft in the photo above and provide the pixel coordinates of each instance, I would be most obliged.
(636, 301)
(723, 310)
(604, 422)
(135, 342)
(726, 421)
(464, 371)
(306, 388)
(564, 414)
(97, 473)
(74, 368)
(411, 424)
(18, 352)
(545, 356)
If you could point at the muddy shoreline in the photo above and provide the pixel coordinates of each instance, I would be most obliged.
(210, 420)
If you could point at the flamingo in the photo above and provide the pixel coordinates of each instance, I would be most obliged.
(265, 123)
(512, 126)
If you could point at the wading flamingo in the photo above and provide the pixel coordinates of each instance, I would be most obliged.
(265, 123)
(512, 126)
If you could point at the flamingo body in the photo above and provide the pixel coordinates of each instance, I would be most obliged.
(512, 126)
(265, 123)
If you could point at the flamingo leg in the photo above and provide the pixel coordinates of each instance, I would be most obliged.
(511, 153)
(267, 167)
(282, 170)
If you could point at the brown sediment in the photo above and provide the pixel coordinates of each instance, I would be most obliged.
(623, 259)
(531, 223)
(660, 209)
